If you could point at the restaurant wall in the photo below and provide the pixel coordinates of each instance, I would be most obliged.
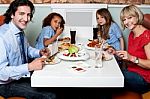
(34, 27)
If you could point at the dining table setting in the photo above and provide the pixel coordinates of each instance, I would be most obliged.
(77, 65)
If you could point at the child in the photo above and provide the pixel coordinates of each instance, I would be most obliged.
(110, 31)
(52, 27)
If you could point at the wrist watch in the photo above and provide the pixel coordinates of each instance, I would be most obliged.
(136, 60)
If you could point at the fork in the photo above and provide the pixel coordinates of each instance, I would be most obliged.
(50, 58)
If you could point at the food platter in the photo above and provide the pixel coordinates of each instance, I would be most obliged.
(89, 48)
(56, 60)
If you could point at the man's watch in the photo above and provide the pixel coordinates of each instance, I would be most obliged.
(136, 60)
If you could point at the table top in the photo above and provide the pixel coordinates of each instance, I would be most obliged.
(64, 75)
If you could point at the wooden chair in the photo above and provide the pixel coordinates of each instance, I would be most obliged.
(16, 98)
(146, 22)
(1, 19)
(12, 98)
(2, 97)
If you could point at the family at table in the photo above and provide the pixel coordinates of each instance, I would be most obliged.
(16, 53)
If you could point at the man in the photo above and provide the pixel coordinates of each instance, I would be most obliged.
(15, 51)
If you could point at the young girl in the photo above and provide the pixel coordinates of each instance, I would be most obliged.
(109, 30)
(52, 27)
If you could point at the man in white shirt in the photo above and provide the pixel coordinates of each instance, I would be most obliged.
(12, 65)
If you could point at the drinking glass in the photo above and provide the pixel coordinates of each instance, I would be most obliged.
(53, 47)
(95, 30)
(98, 56)
(73, 35)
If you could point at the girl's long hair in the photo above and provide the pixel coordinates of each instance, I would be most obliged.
(105, 28)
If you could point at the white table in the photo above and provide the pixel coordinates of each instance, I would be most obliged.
(60, 75)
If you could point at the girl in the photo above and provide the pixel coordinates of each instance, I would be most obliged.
(110, 31)
(52, 27)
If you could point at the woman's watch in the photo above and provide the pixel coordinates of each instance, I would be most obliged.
(136, 60)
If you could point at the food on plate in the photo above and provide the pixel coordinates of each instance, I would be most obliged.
(107, 47)
(64, 46)
(65, 39)
(92, 43)
(55, 60)
(73, 49)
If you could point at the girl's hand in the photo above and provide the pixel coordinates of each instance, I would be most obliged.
(59, 30)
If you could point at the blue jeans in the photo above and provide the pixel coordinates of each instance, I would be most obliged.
(22, 88)
(135, 82)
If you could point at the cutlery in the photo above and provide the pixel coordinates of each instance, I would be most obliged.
(51, 58)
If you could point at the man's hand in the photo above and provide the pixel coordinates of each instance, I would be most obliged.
(45, 52)
(36, 64)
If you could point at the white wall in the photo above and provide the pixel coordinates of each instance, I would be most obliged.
(41, 11)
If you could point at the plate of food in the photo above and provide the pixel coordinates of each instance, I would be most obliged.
(52, 61)
(91, 44)
(64, 39)
(73, 53)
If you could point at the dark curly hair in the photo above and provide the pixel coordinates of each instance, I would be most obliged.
(13, 8)
(48, 19)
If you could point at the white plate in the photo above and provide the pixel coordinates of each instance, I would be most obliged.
(84, 56)
(55, 61)
(90, 48)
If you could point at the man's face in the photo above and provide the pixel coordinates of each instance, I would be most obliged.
(22, 17)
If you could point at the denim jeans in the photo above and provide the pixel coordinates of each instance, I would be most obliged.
(23, 88)
(135, 82)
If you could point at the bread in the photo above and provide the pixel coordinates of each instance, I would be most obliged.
(64, 46)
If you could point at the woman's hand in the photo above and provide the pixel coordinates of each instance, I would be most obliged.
(110, 50)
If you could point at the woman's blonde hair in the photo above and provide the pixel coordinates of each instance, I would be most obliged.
(131, 10)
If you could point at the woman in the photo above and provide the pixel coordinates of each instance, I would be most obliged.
(137, 73)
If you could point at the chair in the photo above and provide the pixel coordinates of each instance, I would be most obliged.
(146, 22)
(12, 98)
(1, 19)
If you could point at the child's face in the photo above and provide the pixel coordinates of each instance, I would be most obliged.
(55, 22)
(100, 19)
(130, 22)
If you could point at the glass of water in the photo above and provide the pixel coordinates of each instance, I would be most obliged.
(98, 56)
